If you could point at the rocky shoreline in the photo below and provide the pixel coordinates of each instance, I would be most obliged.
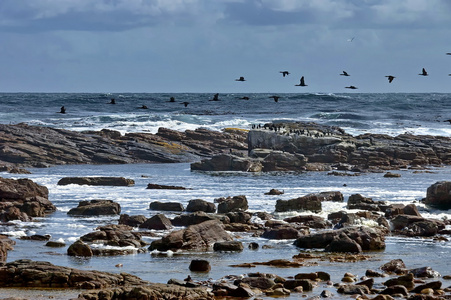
(214, 226)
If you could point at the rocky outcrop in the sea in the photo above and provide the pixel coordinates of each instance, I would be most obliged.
(23, 199)
(311, 202)
(301, 146)
(195, 237)
(98, 207)
(438, 195)
(108, 181)
(34, 146)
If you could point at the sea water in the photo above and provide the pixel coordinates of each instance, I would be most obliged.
(356, 113)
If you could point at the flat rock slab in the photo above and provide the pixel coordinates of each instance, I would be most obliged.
(108, 181)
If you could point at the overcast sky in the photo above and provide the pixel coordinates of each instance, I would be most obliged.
(204, 45)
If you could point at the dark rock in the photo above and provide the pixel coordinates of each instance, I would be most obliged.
(310, 221)
(227, 162)
(200, 205)
(310, 202)
(194, 237)
(6, 244)
(343, 243)
(439, 195)
(353, 289)
(115, 235)
(392, 175)
(310, 276)
(166, 206)
(284, 232)
(96, 208)
(79, 249)
(424, 272)
(396, 290)
(133, 221)
(253, 246)
(36, 237)
(435, 285)
(228, 246)
(193, 218)
(394, 266)
(157, 222)
(152, 186)
(371, 273)
(283, 161)
(108, 181)
(199, 265)
(404, 280)
(55, 244)
(368, 282)
(357, 201)
(416, 226)
(229, 204)
(239, 217)
(274, 192)
(262, 283)
(241, 292)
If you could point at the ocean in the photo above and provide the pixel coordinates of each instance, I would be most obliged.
(356, 113)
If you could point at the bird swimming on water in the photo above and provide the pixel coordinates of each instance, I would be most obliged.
(345, 73)
(302, 82)
(185, 103)
(448, 121)
(62, 110)
(285, 73)
(390, 78)
(351, 87)
(423, 73)
(276, 98)
(144, 107)
(240, 79)
(113, 101)
(172, 99)
(215, 97)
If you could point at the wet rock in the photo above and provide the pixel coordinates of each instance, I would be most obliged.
(199, 265)
(371, 273)
(274, 192)
(107, 181)
(153, 186)
(434, 285)
(394, 266)
(98, 207)
(306, 284)
(438, 195)
(310, 221)
(55, 244)
(6, 244)
(115, 235)
(23, 199)
(157, 222)
(343, 243)
(227, 162)
(133, 221)
(395, 290)
(36, 237)
(239, 217)
(357, 201)
(253, 246)
(404, 280)
(353, 289)
(79, 248)
(259, 282)
(311, 202)
(166, 206)
(228, 246)
(193, 218)
(283, 161)
(392, 175)
(200, 205)
(401, 209)
(416, 226)
(425, 272)
(194, 237)
(229, 204)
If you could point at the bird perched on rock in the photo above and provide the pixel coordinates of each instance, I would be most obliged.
(423, 73)
(285, 73)
(390, 78)
(302, 82)
(345, 73)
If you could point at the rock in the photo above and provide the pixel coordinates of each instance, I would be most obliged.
(96, 208)
(311, 221)
(253, 246)
(357, 201)
(434, 285)
(425, 272)
(394, 266)
(166, 206)
(395, 290)
(416, 226)
(108, 181)
(306, 284)
(194, 237)
(79, 249)
(392, 175)
(275, 192)
(438, 195)
(228, 246)
(310, 202)
(152, 186)
(193, 218)
(352, 289)
(55, 244)
(114, 235)
(368, 238)
(229, 204)
(278, 292)
(227, 162)
(200, 205)
(283, 232)
(38, 274)
(239, 217)
(259, 282)
(22, 199)
(133, 221)
(343, 243)
(157, 222)
(6, 244)
(199, 265)
(404, 280)
(283, 161)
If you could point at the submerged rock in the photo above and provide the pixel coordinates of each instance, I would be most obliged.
(108, 181)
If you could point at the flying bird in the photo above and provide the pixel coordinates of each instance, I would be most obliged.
(285, 73)
(276, 98)
(240, 79)
(301, 83)
(351, 39)
(449, 53)
(351, 87)
(423, 73)
(390, 78)
(345, 73)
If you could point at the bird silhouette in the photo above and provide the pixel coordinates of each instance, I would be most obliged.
(172, 99)
(240, 79)
(143, 107)
(448, 121)
(62, 110)
(449, 53)
(185, 103)
(301, 83)
(285, 73)
(351, 87)
(215, 97)
(113, 101)
(423, 73)
(390, 78)
(276, 98)
(345, 73)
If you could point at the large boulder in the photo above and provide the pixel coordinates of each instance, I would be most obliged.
(411, 225)
(200, 205)
(439, 195)
(357, 201)
(195, 237)
(166, 206)
(227, 162)
(193, 218)
(311, 202)
(115, 235)
(23, 199)
(157, 222)
(98, 207)
(283, 161)
(133, 221)
(109, 181)
(229, 204)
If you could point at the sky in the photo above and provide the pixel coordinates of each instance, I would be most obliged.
(177, 46)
